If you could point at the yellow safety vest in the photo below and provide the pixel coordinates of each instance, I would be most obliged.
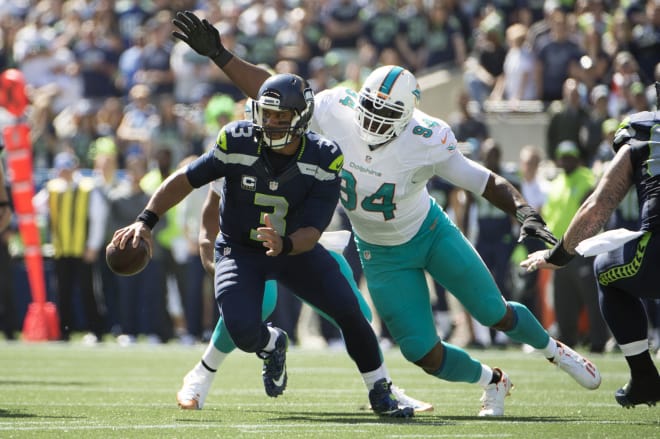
(69, 205)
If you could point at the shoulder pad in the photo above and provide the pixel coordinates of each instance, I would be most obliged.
(240, 129)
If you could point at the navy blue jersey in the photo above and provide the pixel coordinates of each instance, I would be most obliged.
(298, 191)
(642, 132)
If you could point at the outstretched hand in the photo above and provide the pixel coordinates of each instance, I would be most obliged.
(536, 228)
(201, 35)
(538, 260)
(533, 226)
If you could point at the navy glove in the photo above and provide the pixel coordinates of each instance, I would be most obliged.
(202, 36)
(533, 226)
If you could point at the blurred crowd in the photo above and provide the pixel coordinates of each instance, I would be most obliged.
(115, 100)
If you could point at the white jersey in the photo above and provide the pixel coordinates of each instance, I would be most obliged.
(384, 190)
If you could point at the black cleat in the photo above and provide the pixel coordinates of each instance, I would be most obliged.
(639, 392)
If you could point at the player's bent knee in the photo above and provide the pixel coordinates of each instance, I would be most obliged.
(431, 362)
(506, 323)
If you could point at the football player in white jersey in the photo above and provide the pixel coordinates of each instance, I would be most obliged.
(391, 149)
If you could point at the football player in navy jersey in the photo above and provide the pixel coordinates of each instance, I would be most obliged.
(281, 186)
(626, 271)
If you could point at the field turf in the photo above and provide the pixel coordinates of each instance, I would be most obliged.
(105, 391)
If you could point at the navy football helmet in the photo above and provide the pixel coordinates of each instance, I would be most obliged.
(283, 92)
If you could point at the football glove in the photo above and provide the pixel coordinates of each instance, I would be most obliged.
(533, 226)
(201, 35)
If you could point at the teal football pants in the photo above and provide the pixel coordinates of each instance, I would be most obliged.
(397, 284)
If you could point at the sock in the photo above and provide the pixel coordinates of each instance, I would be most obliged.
(212, 358)
(550, 349)
(270, 346)
(371, 377)
(487, 376)
(641, 366)
(458, 366)
(526, 328)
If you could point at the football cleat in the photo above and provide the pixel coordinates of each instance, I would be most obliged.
(582, 370)
(638, 393)
(492, 400)
(196, 385)
(274, 369)
(384, 403)
(407, 401)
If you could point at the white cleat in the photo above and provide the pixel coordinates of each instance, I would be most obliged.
(582, 370)
(492, 400)
(196, 385)
(407, 401)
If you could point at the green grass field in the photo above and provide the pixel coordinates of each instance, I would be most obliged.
(56, 390)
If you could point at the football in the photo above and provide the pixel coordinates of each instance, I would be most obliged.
(129, 260)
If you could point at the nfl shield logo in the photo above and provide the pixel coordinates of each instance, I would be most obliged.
(367, 159)
(367, 255)
(273, 185)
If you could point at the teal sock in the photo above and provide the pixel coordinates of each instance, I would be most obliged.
(458, 366)
(527, 329)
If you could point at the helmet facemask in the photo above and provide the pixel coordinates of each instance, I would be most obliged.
(386, 104)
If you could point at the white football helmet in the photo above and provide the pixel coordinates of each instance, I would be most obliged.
(386, 103)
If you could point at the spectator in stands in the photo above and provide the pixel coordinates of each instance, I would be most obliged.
(154, 67)
(645, 44)
(445, 43)
(467, 124)
(516, 83)
(413, 29)
(139, 120)
(485, 65)
(567, 119)
(557, 60)
(597, 115)
(97, 62)
(625, 72)
(381, 26)
(343, 26)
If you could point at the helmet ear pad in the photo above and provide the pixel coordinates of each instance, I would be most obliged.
(283, 92)
(386, 103)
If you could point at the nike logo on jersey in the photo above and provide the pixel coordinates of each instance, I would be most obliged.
(280, 381)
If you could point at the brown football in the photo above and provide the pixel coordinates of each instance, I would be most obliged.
(129, 260)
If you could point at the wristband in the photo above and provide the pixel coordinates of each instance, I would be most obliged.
(558, 254)
(222, 57)
(4, 203)
(287, 245)
(148, 217)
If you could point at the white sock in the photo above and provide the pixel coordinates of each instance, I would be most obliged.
(370, 378)
(274, 333)
(212, 358)
(486, 375)
(551, 349)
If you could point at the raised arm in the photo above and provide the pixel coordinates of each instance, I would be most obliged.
(205, 39)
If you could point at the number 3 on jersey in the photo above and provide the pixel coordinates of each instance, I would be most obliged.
(380, 201)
